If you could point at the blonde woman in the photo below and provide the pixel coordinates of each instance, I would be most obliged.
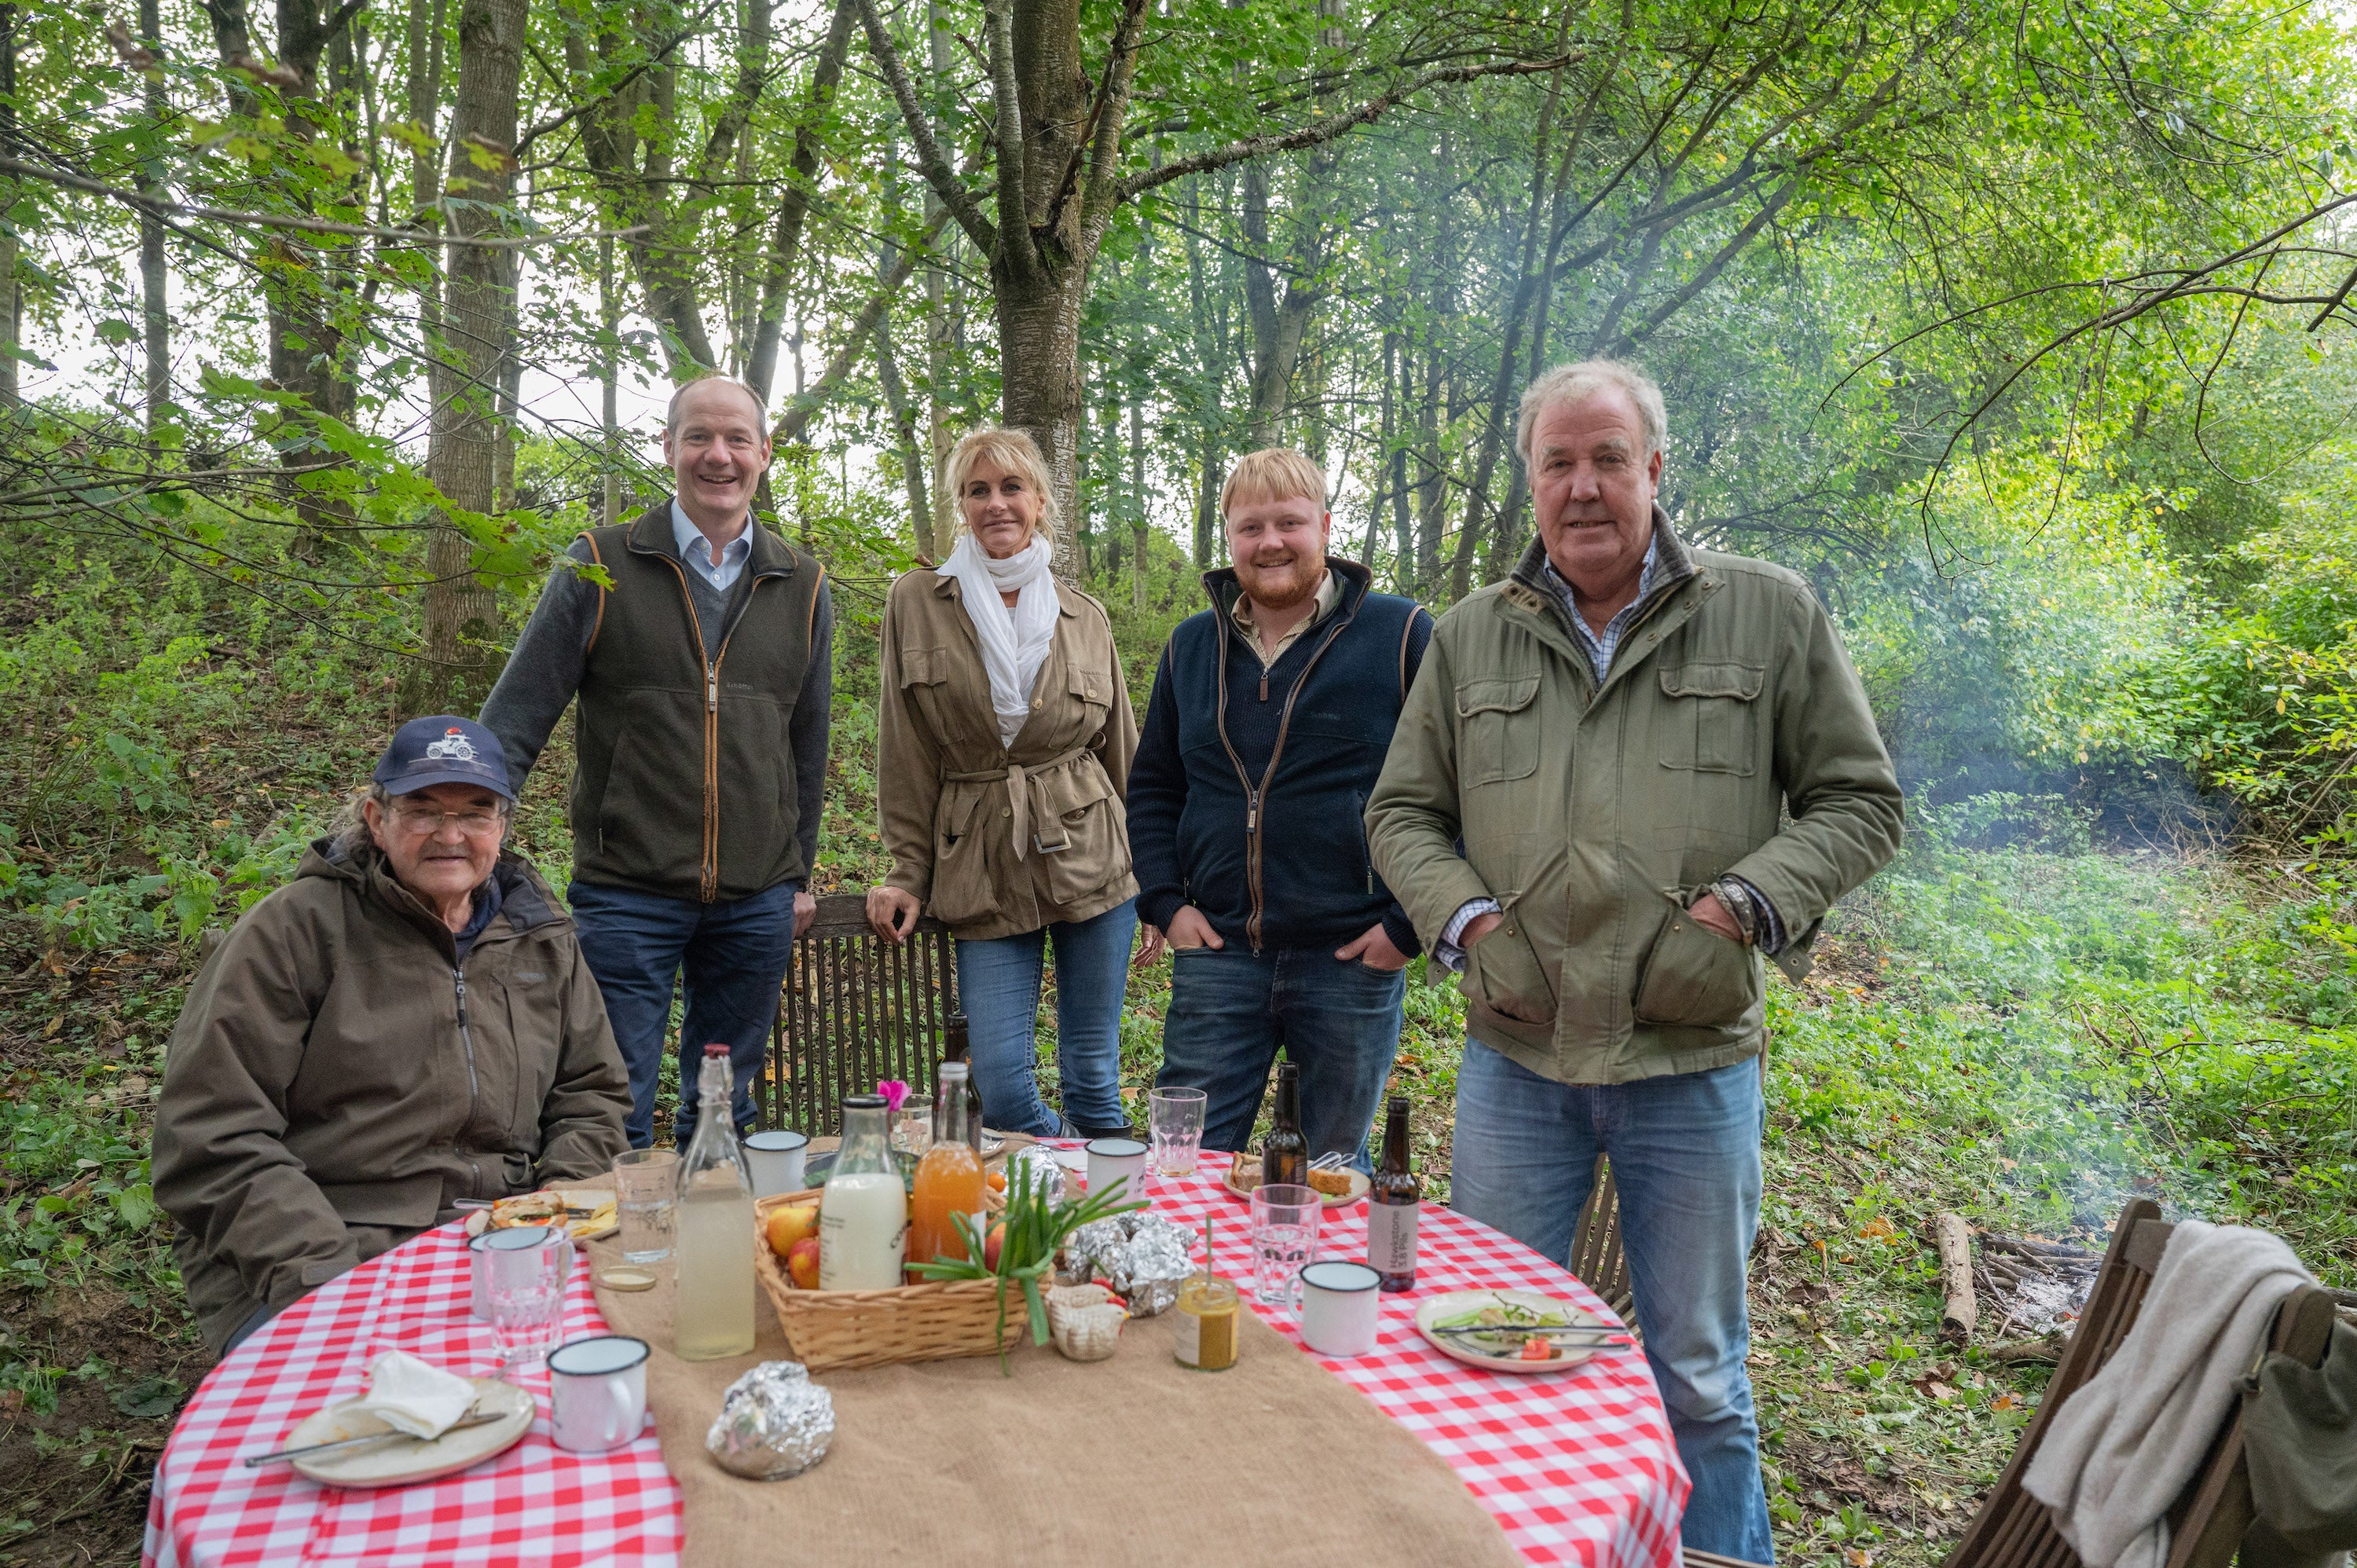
(1003, 763)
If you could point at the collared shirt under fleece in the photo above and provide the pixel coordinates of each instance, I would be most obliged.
(696, 549)
(1330, 593)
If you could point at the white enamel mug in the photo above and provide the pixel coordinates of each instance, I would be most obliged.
(596, 1392)
(521, 1237)
(774, 1161)
(1117, 1159)
(1341, 1307)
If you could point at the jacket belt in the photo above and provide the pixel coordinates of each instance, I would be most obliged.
(1027, 795)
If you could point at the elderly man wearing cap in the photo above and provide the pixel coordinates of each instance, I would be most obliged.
(407, 1024)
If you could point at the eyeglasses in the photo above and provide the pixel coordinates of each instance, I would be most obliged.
(474, 825)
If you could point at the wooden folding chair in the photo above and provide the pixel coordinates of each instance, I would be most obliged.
(1595, 1255)
(2014, 1530)
(855, 1010)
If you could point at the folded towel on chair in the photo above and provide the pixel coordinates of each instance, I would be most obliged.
(2120, 1450)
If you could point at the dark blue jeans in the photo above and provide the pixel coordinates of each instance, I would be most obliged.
(998, 986)
(1337, 1019)
(1685, 1158)
(732, 957)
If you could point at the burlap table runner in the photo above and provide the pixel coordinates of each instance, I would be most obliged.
(1133, 1460)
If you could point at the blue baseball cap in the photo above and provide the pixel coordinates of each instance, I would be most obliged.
(443, 749)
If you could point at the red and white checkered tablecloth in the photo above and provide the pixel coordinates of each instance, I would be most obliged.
(1578, 1466)
(534, 1504)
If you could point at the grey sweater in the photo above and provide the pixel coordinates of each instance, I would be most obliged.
(544, 671)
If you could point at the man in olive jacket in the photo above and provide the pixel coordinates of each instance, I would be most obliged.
(1613, 734)
(407, 1024)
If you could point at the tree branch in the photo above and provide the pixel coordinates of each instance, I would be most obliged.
(142, 203)
(1014, 210)
(1333, 125)
(1703, 279)
(796, 416)
(930, 157)
(600, 100)
(1112, 113)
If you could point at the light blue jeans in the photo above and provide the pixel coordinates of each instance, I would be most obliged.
(1685, 1157)
(998, 986)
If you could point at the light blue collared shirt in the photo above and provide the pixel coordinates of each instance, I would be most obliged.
(696, 549)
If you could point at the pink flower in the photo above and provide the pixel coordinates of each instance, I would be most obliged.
(894, 1091)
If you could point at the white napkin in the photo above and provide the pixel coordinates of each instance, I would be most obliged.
(415, 1396)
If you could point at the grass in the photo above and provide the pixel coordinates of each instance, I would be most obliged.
(2008, 1022)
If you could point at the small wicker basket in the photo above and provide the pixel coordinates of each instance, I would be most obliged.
(831, 1330)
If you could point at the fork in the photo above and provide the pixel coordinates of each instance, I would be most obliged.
(1329, 1162)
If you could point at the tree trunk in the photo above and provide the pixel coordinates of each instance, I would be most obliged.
(1207, 499)
(153, 303)
(610, 319)
(461, 613)
(1039, 380)
(793, 208)
(1509, 356)
(1431, 478)
(1137, 498)
(904, 428)
(940, 320)
(1394, 466)
(1281, 320)
(11, 292)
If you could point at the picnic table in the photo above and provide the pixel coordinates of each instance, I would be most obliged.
(1577, 1467)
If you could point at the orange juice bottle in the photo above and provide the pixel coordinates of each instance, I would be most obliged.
(949, 1178)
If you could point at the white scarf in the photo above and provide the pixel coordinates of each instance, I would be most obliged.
(1014, 641)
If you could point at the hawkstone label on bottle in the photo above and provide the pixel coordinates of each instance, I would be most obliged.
(1391, 1237)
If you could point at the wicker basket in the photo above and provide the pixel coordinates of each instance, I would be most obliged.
(830, 1331)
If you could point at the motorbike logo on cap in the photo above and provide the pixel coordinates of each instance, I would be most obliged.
(453, 747)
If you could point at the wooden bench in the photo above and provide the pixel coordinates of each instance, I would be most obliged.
(855, 1010)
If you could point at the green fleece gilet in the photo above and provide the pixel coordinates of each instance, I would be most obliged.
(684, 785)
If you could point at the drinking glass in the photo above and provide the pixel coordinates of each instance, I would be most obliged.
(1284, 1238)
(912, 1125)
(646, 1195)
(1176, 1117)
(527, 1291)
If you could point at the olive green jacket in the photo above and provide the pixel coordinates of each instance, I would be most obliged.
(332, 1089)
(1593, 817)
(953, 801)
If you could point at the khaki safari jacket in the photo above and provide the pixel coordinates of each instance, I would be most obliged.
(955, 804)
(336, 1082)
(1593, 817)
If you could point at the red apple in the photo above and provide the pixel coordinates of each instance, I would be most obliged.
(990, 1247)
(802, 1263)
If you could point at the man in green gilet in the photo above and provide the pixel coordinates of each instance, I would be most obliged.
(704, 675)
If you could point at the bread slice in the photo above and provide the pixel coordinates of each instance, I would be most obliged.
(1333, 1184)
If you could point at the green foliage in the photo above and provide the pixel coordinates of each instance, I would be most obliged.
(2068, 1028)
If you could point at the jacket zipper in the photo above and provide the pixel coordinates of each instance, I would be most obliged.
(467, 1040)
(1255, 795)
(710, 882)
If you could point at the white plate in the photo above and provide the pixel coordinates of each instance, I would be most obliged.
(574, 1198)
(1455, 1302)
(398, 1462)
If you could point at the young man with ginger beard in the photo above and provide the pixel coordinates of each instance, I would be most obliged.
(1270, 717)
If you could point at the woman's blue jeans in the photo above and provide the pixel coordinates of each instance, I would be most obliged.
(1685, 1159)
(998, 986)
